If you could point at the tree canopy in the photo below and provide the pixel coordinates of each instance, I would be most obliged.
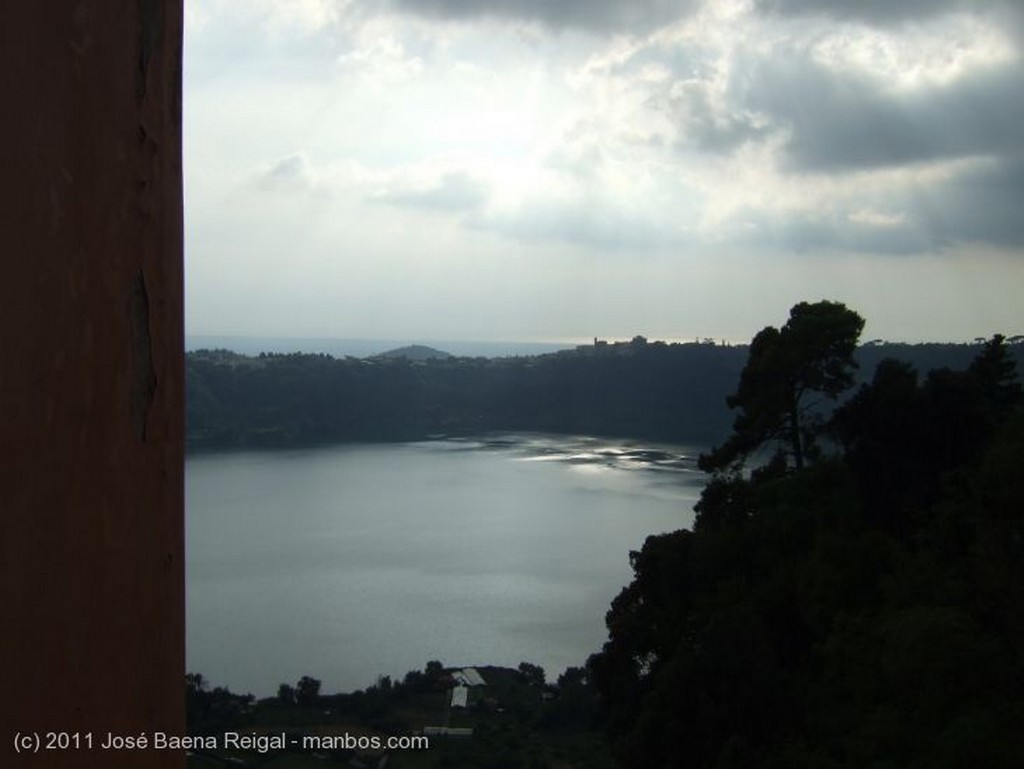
(812, 354)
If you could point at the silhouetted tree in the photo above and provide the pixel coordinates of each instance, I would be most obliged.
(996, 375)
(534, 674)
(811, 355)
(195, 683)
(307, 690)
(286, 694)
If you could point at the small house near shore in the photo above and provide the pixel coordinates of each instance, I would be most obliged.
(460, 696)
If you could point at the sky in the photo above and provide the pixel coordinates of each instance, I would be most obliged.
(555, 170)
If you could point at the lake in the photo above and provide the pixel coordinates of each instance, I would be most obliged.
(349, 562)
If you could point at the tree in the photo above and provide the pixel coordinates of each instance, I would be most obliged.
(197, 700)
(534, 674)
(901, 437)
(995, 373)
(811, 355)
(195, 683)
(307, 690)
(286, 694)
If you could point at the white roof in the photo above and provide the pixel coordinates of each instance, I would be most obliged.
(469, 677)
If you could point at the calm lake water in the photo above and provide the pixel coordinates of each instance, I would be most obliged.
(349, 562)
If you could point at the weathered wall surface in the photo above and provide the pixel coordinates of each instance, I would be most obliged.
(91, 388)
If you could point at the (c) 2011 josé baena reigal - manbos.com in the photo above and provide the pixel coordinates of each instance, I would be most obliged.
(252, 741)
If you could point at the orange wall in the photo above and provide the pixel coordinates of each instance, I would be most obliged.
(91, 378)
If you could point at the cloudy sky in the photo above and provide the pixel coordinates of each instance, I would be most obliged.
(552, 170)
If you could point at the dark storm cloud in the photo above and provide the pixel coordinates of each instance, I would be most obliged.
(810, 233)
(1008, 15)
(845, 121)
(878, 12)
(982, 204)
(594, 16)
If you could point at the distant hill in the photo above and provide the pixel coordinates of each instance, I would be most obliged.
(415, 352)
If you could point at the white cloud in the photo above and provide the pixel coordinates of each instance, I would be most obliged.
(873, 218)
(932, 55)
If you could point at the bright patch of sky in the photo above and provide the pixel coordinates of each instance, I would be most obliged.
(536, 171)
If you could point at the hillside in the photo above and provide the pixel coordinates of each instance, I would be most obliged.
(639, 389)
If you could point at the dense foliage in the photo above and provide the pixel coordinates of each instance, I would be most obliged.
(862, 610)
